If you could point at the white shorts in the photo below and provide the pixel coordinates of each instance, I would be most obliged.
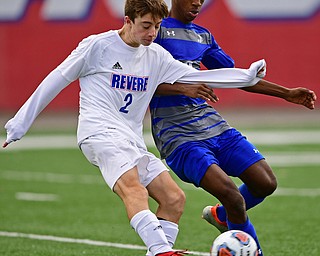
(115, 155)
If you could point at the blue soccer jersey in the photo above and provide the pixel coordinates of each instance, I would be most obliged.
(191, 44)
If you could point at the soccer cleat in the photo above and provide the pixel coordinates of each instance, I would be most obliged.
(173, 253)
(209, 213)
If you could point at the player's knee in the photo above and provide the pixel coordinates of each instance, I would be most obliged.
(176, 202)
(179, 200)
(271, 187)
(231, 198)
(265, 184)
(267, 188)
(237, 202)
(138, 192)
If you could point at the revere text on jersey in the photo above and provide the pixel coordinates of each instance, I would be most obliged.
(129, 83)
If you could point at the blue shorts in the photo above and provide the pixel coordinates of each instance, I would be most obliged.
(229, 150)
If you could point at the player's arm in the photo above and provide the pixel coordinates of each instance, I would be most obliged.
(220, 78)
(42, 96)
(191, 90)
(299, 95)
(227, 77)
(74, 66)
(215, 57)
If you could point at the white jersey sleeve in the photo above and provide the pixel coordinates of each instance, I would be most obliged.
(82, 61)
(74, 66)
(41, 97)
(176, 71)
(226, 77)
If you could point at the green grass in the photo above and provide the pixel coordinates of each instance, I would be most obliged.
(86, 208)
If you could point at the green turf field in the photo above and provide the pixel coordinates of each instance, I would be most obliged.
(53, 202)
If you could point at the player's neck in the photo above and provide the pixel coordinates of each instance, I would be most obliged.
(178, 17)
(124, 33)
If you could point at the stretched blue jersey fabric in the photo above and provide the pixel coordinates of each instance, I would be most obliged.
(178, 119)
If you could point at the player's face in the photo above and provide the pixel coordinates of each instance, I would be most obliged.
(186, 10)
(144, 30)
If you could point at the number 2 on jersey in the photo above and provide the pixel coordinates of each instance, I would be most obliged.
(128, 100)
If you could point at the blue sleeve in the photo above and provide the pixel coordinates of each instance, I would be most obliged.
(215, 57)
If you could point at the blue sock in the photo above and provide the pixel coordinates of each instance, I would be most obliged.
(250, 200)
(221, 213)
(248, 228)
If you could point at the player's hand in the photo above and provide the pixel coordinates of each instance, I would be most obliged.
(191, 90)
(200, 91)
(5, 144)
(302, 96)
(262, 72)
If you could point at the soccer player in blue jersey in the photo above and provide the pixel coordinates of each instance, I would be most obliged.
(197, 143)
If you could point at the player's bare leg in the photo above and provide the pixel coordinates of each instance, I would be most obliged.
(133, 194)
(259, 182)
(220, 185)
(171, 200)
(169, 196)
(135, 198)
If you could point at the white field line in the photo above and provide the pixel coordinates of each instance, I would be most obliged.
(259, 138)
(301, 192)
(287, 159)
(43, 142)
(27, 196)
(256, 137)
(82, 241)
(97, 180)
(308, 192)
(283, 137)
(51, 177)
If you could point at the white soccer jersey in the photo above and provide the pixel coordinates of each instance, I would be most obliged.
(117, 82)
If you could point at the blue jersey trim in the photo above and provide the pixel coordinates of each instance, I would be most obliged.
(189, 133)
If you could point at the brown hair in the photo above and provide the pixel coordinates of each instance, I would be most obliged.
(139, 8)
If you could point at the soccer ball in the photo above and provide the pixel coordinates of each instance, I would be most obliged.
(234, 243)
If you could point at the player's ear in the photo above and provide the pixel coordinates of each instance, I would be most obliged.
(127, 20)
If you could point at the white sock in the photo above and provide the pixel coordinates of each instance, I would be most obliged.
(148, 227)
(171, 231)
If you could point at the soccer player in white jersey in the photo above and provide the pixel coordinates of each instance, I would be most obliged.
(119, 71)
